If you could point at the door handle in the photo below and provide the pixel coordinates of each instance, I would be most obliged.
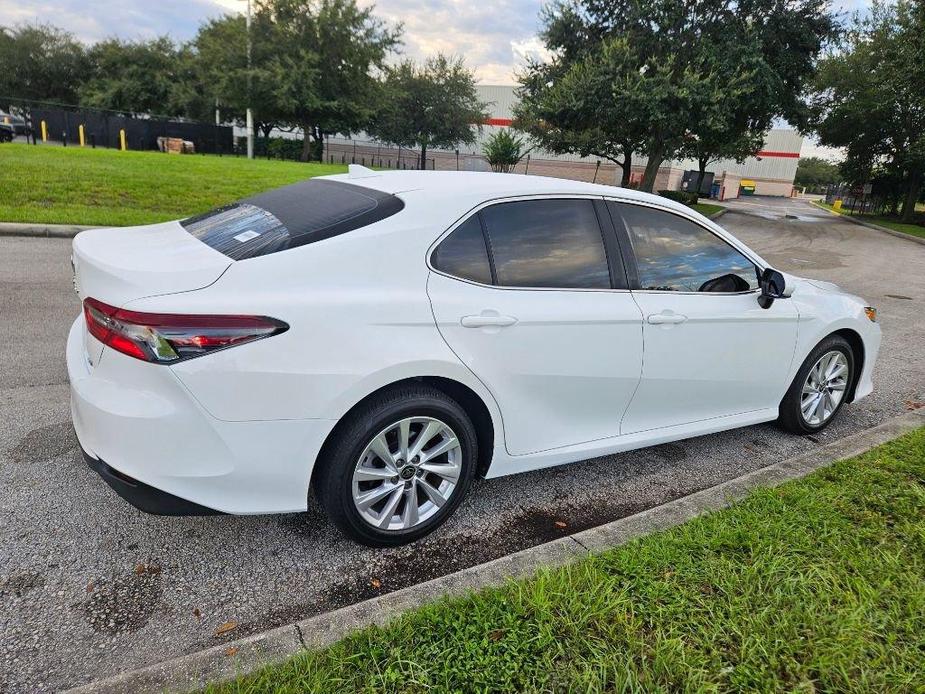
(666, 318)
(487, 319)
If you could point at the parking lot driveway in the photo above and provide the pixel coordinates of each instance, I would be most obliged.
(90, 587)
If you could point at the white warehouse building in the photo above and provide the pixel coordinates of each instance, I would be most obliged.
(770, 172)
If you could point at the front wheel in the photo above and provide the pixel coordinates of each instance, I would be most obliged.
(820, 387)
(398, 467)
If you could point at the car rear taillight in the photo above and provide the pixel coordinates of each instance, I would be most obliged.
(165, 338)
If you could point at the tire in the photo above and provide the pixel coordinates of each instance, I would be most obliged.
(791, 414)
(355, 470)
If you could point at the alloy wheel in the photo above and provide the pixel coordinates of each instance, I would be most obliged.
(407, 473)
(824, 388)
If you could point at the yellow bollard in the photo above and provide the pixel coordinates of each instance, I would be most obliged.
(122, 140)
(80, 134)
(44, 132)
(836, 205)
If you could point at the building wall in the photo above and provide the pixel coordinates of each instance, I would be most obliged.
(772, 170)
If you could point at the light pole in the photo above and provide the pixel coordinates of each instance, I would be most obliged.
(250, 113)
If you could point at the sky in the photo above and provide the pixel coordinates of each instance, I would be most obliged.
(494, 37)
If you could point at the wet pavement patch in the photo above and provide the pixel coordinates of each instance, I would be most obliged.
(21, 583)
(126, 603)
(45, 443)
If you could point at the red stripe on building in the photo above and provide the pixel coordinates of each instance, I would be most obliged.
(786, 155)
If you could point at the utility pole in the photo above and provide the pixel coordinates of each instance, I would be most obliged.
(250, 113)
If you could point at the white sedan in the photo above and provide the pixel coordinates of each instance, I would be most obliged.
(382, 338)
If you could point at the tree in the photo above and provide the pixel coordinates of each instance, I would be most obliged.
(325, 54)
(567, 130)
(133, 77)
(42, 63)
(869, 98)
(733, 121)
(429, 105)
(220, 71)
(814, 174)
(646, 74)
(504, 151)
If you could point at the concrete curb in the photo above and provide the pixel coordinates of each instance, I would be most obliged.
(870, 225)
(58, 231)
(719, 213)
(214, 665)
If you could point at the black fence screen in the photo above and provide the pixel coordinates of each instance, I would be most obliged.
(101, 129)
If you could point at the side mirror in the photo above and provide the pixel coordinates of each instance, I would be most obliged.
(773, 286)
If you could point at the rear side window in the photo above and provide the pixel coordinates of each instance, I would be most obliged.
(291, 216)
(675, 254)
(463, 253)
(547, 243)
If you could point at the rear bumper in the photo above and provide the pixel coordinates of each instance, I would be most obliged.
(143, 496)
(149, 438)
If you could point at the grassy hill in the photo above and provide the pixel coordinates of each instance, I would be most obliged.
(50, 184)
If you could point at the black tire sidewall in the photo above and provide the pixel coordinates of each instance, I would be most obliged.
(791, 413)
(336, 488)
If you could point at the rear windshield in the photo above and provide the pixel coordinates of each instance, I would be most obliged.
(289, 217)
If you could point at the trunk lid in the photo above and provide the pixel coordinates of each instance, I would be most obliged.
(122, 264)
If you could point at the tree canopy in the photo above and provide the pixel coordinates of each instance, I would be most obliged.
(434, 104)
(815, 173)
(669, 79)
(38, 61)
(869, 98)
(133, 77)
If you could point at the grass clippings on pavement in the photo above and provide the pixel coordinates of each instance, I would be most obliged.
(73, 185)
(816, 585)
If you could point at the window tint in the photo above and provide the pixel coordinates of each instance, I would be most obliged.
(290, 216)
(463, 253)
(674, 254)
(547, 243)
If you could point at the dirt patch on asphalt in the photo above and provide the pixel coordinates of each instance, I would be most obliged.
(126, 603)
(45, 443)
(21, 583)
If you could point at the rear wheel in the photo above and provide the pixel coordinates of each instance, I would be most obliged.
(820, 387)
(399, 467)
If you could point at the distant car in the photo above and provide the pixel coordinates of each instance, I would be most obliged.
(383, 338)
(11, 126)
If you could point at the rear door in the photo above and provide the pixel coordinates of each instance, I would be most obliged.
(710, 349)
(532, 297)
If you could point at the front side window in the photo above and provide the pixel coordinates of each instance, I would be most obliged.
(547, 243)
(463, 253)
(675, 254)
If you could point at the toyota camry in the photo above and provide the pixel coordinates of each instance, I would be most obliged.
(378, 340)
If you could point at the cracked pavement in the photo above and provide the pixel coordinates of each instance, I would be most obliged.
(90, 587)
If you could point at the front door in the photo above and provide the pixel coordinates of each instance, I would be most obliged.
(531, 298)
(710, 349)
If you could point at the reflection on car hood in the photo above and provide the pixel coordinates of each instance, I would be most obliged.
(825, 286)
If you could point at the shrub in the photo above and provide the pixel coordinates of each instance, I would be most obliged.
(681, 196)
(504, 151)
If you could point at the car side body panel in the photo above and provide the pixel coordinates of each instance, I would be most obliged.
(254, 417)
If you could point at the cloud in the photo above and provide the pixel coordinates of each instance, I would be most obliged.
(127, 19)
(493, 38)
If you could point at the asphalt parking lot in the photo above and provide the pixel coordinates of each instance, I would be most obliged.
(90, 587)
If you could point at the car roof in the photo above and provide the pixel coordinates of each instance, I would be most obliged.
(488, 185)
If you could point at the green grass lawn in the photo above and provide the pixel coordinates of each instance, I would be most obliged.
(706, 209)
(886, 221)
(107, 187)
(817, 585)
